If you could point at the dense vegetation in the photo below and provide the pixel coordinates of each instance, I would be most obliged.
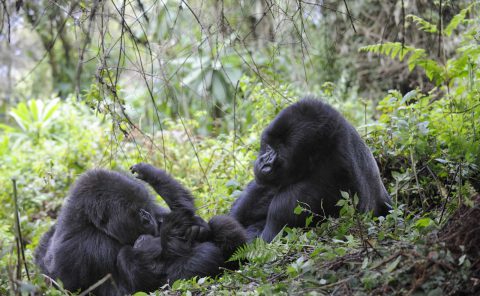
(190, 86)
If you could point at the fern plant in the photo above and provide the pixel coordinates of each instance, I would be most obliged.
(257, 251)
(428, 27)
(436, 71)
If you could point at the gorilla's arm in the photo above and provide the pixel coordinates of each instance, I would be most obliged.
(365, 177)
(281, 214)
(139, 266)
(42, 248)
(251, 208)
(281, 210)
(79, 262)
(174, 194)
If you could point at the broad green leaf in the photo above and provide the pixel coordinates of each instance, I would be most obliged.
(298, 210)
(20, 122)
(50, 109)
(423, 222)
(34, 105)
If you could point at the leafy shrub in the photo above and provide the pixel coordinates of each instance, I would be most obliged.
(429, 142)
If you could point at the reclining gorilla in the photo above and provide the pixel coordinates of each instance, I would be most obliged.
(110, 224)
(308, 154)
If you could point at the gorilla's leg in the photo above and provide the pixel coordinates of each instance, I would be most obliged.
(204, 259)
(140, 266)
(281, 210)
(228, 234)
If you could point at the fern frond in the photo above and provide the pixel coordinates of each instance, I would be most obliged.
(457, 20)
(392, 50)
(434, 71)
(417, 57)
(257, 251)
(422, 24)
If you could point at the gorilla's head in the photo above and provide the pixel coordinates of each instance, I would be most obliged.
(293, 143)
(126, 228)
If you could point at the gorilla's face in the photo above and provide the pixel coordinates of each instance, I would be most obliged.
(287, 145)
(149, 223)
(128, 227)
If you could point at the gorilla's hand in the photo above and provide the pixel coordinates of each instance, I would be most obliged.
(199, 231)
(144, 171)
(148, 243)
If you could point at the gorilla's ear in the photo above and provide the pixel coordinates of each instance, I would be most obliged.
(97, 213)
(107, 221)
(146, 218)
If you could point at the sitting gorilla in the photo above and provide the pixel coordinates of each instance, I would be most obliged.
(309, 154)
(110, 224)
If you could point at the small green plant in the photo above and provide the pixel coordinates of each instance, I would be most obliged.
(257, 251)
(33, 119)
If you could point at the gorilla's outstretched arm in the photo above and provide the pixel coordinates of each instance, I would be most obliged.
(177, 197)
(174, 194)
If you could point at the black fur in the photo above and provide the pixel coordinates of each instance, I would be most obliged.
(308, 154)
(110, 224)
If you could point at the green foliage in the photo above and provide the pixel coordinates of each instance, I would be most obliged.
(393, 50)
(437, 71)
(51, 143)
(33, 119)
(258, 251)
(416, 57)
(457, 20)
(432, 139)
(422, 24)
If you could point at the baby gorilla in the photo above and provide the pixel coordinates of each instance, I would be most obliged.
(308, 154)
(110, 224)
(184, 248)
